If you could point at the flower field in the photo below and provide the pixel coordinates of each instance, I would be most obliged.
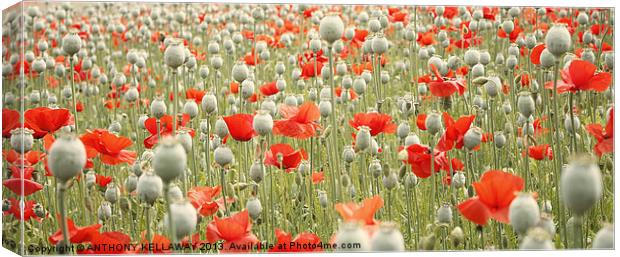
(214, 128)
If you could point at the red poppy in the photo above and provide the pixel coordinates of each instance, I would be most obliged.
(419, 157)
(513, 35)
(359, 38)
(203, 199)
(299, 122)
(196, 242)
(236, 230)
(581, 76)
(444, 87)
(426, 38)
(76, 234)
(539, 152)
(318, 177)
(16, 171)
(10, 121)
(44, 120)
(268, 89)
(361, 213)
(421, 121)
(15, 185)
(109, 242)
(352, 94)
(377, 122)
(240, 126)
(536, 52)
(494, 193)
(165, 128)
(291, 158)
(604, 138)
(16, 212)
(301, 243)
(30, 158)
(195, 94)
(111, 148)
(103, 181)
(307, 69)
(455, 132)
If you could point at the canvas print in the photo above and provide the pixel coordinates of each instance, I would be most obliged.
(205, 128)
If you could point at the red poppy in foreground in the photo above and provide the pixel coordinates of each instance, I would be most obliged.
(604, 138)
(165, 128)
(364, 213)
(45, 121)
(16, 212)
(111, 148)
(301, 243)
(291, 158)
(235, 229)
(377, 122)
(455, 132)
(203, 199)
(76, 234)
(299, 122)
(15, 185)
(444, 87)
(494, 193)
(240, 126)
(10, 121)
(581, 76)
(539, 152)
(419, 157)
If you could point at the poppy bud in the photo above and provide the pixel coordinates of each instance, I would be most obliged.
(158, 108)
(22, 139)
(254, 208)
(457, 236)
(105, 211)
(223, 155)
(523, 213)
(263, 123)
(472, 138)
(471, 57)
(387, 238)
(174, 56)
(536, 239)
(410, 180)
(345, 180)
(444, 214)
(257, 172)
(221, 129)
(170, 159)
(362, 139)
(71, 43)
(433, 123)
(571, 124)
(66, 157)
(331, 28)
(184, 217)
(499, 139)
(348, 154)
(558, 40)
(458, 179)
(604, 238)
(526, 104)
(149, 187)
(351, 233)
(115, 127)
(190, 108)
(412, 139)
(390, 181)
(580, 185)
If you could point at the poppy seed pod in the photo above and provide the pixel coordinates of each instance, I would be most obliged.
(170, 159)
(499, 139)
(571, 124)
(472, 138)
(263, 123)
(190, 108)
(536, 239)
(348, 154)
(379, 44)
(580, 184)
(112, 193)
(22, 139)
(444, 214)
(221, 129)
(604, 238)
(512, 62)
(546, 223)
(352, 233)
(240, 72)
(254, 207)
(325, 108)
(71, 43)
(403, 130)
(158, 108)
(471, 57)
(184, 217)
(185, 139)
(492, 86)
(390, 181)
(433, 123)
(90, 178)
(412, 139)
(149, 188)
(331, 28)
(362, 139)
(223, 155)
(458, 179)
(209, 103)
(558, 40)
(323, 201)
(257, 171)
(174, 56)
(387, 238)
(523, 213)
(508, 26)
(526, 104)
(105, 211)
(66, 157)
(359, 85)
(131, 182)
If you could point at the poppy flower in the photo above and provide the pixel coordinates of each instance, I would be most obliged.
(15, 185)
(455, 132)
(419, 157)
(10, 121)
(298, 244)
(240, 126)
(165, 128)
(194, 94)
(363, 213)
(30, 158)
(16, 212)
(196, 242)
(539, 152)
(44, 120)
(581, 76)
(290, 157)
(299, 122)
(268, 89)
(444, 87)
(494, 193)
(604, 138)
(513, 35)
(106, 243)
(377, 122)
(308, 71)
(235, 229)
(421, 121)
(536, 52)
(318, 177)
(77, 234)
(103, 181)
(16, 171)
(359, 38)
(352, 94)
(111, 148)
(203, 199)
